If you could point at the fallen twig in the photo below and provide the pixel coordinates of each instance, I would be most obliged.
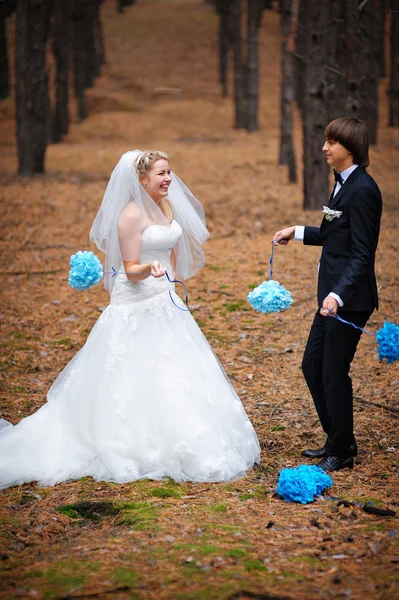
(377, 404)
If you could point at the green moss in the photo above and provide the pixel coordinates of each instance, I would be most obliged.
(165, 492)
(277, 428)
(254, 565)
(124, 576)
(218, 508)
(296, 576)
(139, 515)
(304, 558)
(236, 553)
(233, 306)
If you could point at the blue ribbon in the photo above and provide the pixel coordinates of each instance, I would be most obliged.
(271, 262)
(114, 272)
(350, 323)
(185, 291)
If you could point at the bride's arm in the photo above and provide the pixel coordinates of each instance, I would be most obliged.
(129, 235)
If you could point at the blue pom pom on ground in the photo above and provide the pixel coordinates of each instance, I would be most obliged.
(302, 483)
(270, 297)
(388, 342)
(86, 270)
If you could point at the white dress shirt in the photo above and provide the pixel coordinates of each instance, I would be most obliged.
(300, 229)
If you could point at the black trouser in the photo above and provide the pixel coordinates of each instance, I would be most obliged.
(329, 352)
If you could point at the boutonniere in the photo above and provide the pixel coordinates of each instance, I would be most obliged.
(331, 214)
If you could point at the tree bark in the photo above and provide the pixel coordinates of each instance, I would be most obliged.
(4, 71)
(289, 22)
(336, 65)
(355, 66)
(99, 37)
(394, 68)
(315, 114)
(255, 8)
(223, 8)
(60, 45)
(122, 4)
(370, 16)
(300, 55)
(239, 95)
(31, 89)
(79, 67)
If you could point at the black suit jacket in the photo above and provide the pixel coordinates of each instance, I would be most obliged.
(349, 244)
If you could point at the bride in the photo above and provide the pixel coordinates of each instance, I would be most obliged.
(145, 397)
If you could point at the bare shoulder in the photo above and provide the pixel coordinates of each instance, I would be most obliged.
(130, 217)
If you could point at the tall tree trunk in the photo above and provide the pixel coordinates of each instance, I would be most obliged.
(223, 8)
(255, 8)
(99, 37)
(394, 72)
(122, 4)
(336, 66)
(92, 68)
(381, 38)
(370, 15)
(31, 89)
(60, 45)
(239, 96)
(79, 67)
(289, 22)
(4, 72)
(315, 115)
(355, 67)
(300, 56)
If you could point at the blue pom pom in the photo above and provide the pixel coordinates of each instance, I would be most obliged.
(388, 342)
(302, 484)
(270, 297)
(86, 270)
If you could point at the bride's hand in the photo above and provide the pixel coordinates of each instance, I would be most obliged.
(282, 237)
(157, 269)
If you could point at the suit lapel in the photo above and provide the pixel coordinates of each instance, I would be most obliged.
(352, 177)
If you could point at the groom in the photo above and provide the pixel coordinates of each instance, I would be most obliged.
(346, 285)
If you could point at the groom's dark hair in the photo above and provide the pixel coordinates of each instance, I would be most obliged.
(353, 135)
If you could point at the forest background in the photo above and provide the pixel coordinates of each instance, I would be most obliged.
(159, 89)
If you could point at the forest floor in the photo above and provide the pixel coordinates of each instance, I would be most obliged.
(161, 540)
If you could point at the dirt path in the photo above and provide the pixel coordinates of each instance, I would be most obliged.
(161, 540)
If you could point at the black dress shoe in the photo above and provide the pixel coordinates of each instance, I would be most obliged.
(335, 463)
(322, 452)
(316, 453)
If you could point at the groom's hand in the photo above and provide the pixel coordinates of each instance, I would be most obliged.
(329, 307)
(282, 237)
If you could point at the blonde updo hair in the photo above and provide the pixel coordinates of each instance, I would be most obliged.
(143, 164)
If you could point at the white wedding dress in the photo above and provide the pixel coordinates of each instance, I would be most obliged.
(144, 397)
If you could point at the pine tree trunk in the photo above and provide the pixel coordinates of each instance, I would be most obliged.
(91, 67)
(224, 44)
(394, 73)
(355, 67)
(300, 55)
(79, 67)
(60, 45)
(239, 96)
(4, 72)
(289, 22)
(255, 8)
(370, 15)
(99, 37)
(315, 115)
(31, 89)
(336, 65)
(381, 37)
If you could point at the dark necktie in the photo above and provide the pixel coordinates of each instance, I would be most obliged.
(337, 177)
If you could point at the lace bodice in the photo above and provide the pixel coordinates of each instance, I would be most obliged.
(156, 244)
